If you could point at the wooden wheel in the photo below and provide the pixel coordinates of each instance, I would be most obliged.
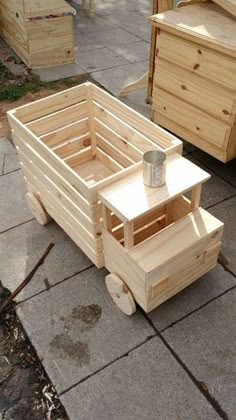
(121, 294)
(36, 209)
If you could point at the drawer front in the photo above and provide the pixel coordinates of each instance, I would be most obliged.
(199, 92)
(50, 41)
(189, 264)
(196, 121)
(198, 59)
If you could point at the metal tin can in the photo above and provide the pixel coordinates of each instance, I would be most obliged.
(154, 168)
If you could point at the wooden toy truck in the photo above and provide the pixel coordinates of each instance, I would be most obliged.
(81, 154)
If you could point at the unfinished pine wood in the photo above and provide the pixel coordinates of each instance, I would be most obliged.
(39, 42)
(187, 86)
(117, 196)
(120, 294)
(53, 140)
(193, 119)
(36, 208)
(194, 21)
(195, 197)
(228, 5)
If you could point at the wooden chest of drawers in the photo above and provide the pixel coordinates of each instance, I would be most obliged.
(194, 88)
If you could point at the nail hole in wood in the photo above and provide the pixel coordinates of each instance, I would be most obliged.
(196, 66)
(199, 52)
(183, 87)
(198, 128)
(225, 112)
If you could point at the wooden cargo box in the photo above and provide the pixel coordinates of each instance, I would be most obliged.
(74, 143)
(194, 88)
(40, 32)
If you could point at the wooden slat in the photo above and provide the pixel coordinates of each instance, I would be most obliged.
(59, 119)
(229, 5)
(72, 146)
(113, 152)
(45, 106)
(79, 157)
(96, 258)
(92, 211)
(68, 132)
(58, 196)
(108, 160)
(95, 244)
(137, 121)
(118, 141)
(54, 161)
(191, 137)
(125, 130)
(193, 119)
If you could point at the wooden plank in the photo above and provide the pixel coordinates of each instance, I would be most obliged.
(181, 207)
(128, 235)
(113, 152)
(196, 121)
(204, 95)
(201, 22)
(118, 142)
(117, 196)
(228, 5)
(72, 146)
(58, 196)
(80, 157)
(53, 103)
(129, 133)
(108, 160)
(195, 197)
(96, 258)
(93, 171)
(54, 161)
(46, 197)
(137, 121)
(71, 131)
(161, 248)
(106, 218)
(44, 7)
(197, 59)
(59, 119)
(91, 121)
(182, 132)
(92, 211)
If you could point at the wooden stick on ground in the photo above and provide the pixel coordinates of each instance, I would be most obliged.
(28, 278)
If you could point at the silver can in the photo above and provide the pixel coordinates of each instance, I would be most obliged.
(154, 168)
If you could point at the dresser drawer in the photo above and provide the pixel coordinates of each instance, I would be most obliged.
(194, 120)
(199, 60)
(206, 95)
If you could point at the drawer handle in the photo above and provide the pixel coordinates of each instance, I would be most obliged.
(156, 285)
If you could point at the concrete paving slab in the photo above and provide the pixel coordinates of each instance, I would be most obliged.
(59, 72)
(6, 147)
(214, 190)
(147, 384)
(208, 287)
(226, 212)
(11, 163)
(1, 164)
(133, 52)
(77, 329)
(205, 341)
(20, 249)
(113, 37)
(85, 43)
(227, 171)
(85, 24)
(99, 60)
(13, 207)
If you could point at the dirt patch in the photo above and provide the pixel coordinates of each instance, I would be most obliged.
(26, 392)
(85, 317)
(65, 346)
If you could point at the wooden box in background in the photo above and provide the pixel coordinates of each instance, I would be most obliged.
(194, 89)
(40, 32)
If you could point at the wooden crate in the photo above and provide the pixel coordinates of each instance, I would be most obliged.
(194, 88)
(74, 143)
(160, 241)
(40, 32)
